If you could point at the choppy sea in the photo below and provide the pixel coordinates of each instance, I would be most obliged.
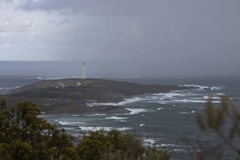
(163, 120)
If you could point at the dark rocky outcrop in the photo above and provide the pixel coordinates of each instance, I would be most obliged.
(72, 95)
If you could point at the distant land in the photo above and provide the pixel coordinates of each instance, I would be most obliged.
(72, 95)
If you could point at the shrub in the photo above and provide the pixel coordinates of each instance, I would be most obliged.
(25, 136)
(114, 145)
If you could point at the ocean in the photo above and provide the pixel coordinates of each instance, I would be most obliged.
(165, 120)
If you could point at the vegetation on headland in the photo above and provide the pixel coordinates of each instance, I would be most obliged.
(25, 136)
(53, 96)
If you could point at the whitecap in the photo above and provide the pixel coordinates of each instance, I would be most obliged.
(193, 101)
(206, 97)
(212, 97)
(66, 123)
(101, 104)
(103, 128)
(213, 88)
(220, 94)
(149, 141)
(136, 110)
(188, 101)
(170, 95)
(179, 150)
(142, 125)
(122, 103)
(187, 112)
(201, 87)
(165, 98)
(116, 118)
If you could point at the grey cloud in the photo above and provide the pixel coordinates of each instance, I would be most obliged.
(95, 7)
(47, 5)
(139, 36)
(4, 26)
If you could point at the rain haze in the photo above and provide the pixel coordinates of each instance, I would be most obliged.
(120, 38)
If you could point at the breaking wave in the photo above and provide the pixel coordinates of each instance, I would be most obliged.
(66, 123)
(137, 110)
(116, 118)
(4, 90)
(103, 128)
(122, 103)
(183, 96)
(167, 98)
(192, 112)
(201, 87)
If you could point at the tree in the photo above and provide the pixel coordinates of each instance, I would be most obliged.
(23, 135)
(114, 145)
(93, 146)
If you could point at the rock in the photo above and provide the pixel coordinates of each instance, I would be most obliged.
(72, 95)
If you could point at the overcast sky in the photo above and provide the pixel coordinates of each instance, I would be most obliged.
(136, 37)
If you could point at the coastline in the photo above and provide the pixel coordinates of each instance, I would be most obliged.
(73, 95)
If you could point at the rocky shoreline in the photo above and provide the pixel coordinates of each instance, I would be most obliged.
(71, 96)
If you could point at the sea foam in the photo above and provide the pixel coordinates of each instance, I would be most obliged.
(116, 118)
(137, 110)
(66, 123)
(103, 128)
(122, 103)
(202, 87)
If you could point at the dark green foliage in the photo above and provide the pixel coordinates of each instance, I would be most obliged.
(93, 146)
(3, 103)
(113, 145)
(25, 136)
(156, 154)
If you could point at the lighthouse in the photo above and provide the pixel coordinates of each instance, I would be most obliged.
(84, 71)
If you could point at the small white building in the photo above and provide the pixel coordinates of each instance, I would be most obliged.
(59, 85)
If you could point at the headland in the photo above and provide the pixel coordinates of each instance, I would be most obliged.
(67, 96)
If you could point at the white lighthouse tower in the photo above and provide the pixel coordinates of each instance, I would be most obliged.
(84, 71)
